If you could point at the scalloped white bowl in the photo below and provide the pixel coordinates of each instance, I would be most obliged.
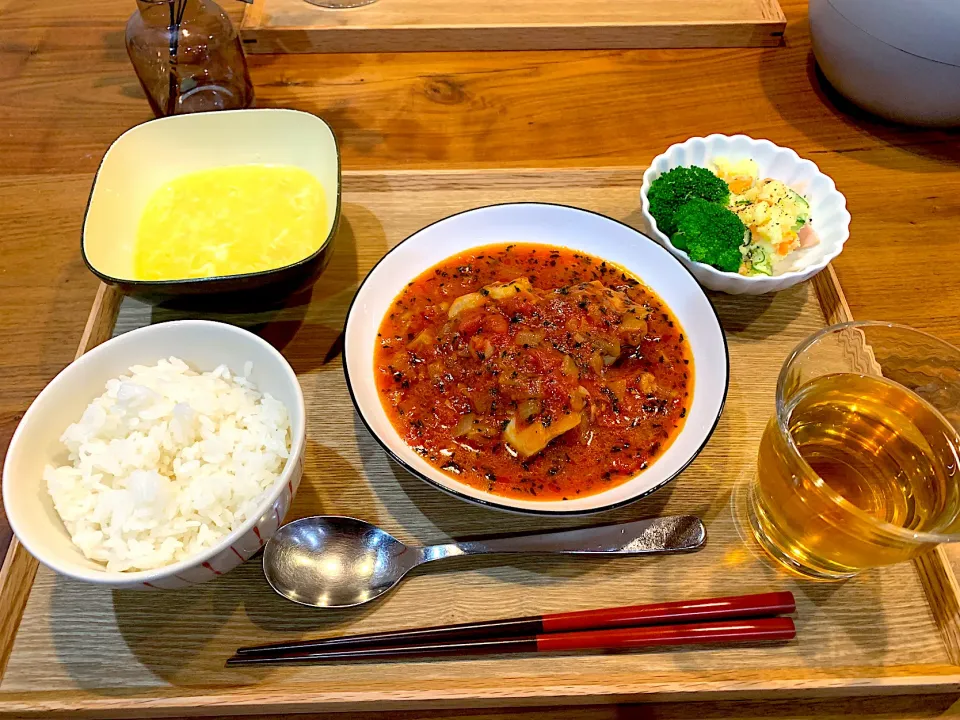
(828, 208)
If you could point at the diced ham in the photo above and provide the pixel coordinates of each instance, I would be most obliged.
(808, 237)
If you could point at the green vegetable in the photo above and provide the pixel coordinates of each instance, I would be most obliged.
(803, 209)
(759, 260)
(672, 190)
(711, 234)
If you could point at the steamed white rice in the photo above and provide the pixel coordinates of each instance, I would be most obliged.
(166, 463)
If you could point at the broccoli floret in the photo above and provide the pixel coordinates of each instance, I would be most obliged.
(671, 191)
(711, 234)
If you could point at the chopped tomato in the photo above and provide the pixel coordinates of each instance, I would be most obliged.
(471, 323)
(545, 392)
(496, 323)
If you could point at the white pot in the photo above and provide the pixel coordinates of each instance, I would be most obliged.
(899, 59)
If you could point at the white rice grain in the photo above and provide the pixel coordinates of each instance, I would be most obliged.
(166, 463)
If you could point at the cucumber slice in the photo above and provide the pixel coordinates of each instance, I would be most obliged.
(760, 261)
(803, 209)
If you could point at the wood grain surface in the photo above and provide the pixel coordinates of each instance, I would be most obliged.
(889, 708)
(67, 90)
(125, 653)
(19, 567)
(271, 26)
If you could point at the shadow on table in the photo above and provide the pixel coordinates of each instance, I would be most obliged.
(749, 317)
(419, 513)
(307, 325)
(937, 144)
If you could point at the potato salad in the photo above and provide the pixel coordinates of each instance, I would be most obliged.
(776, 217)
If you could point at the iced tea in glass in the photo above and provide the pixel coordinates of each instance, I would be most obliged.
(858, 468)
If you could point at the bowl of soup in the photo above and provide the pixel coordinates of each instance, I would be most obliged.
(536, 358)
(238, 206)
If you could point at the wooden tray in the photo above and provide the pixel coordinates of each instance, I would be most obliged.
(295, 26)
(81, 649)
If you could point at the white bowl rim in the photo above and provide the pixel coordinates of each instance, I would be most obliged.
(800, 274)
(504, 505)
(139, 576)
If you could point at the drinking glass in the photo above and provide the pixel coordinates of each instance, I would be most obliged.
(859, 466)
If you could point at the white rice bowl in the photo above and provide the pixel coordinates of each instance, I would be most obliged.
(166, 463)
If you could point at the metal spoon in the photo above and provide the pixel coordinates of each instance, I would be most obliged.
(338, 562)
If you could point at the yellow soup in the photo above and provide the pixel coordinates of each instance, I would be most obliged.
(228, 221)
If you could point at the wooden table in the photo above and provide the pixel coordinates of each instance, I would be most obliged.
(67, 90)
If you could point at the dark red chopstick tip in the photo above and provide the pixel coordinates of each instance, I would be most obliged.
(514, 627)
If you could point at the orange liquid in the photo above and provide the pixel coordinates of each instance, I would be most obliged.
(889, 454)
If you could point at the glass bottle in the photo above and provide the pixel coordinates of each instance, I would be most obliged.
(188, 57)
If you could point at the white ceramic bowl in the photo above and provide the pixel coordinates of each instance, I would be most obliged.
(202, 344)
(828, 208)
(557, 226)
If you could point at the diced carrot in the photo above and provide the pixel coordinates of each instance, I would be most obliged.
(783, 248)
(740, 185)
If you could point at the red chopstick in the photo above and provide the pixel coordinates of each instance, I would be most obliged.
(729, 631)
(724, 608)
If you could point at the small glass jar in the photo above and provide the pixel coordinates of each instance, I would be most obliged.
(188, 57)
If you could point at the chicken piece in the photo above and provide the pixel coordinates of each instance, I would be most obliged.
(535, 437)
(424, 339)
(633, 317)
(502, 291)
(634, 320)
(648, 383)
(495, 291)
(474, 429)
(596, 292)
(465, 302)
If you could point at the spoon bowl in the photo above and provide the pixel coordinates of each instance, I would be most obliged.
(330, 561)
(334, 561)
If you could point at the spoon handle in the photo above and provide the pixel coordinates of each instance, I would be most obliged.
(677, 533)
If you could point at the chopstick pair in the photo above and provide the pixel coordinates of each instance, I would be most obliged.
(738, 619)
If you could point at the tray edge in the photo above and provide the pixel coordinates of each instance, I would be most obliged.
(19, 566)
(934, 569)
(936, 574)
(297, 698)
(258, 37)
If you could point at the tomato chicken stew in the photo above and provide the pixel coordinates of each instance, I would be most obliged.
(533, 372)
